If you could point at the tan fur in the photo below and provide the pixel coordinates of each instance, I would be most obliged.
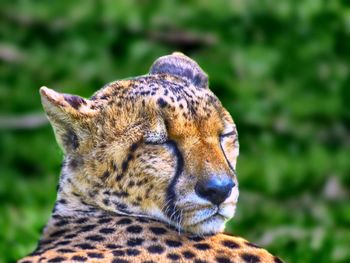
(134, 153)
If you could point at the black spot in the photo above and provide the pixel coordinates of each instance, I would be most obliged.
(130, 157)
(87, 228)
(36, 252)
(155, 249)
(121, 206)
(188, 254)
(27, 261)
(252, 245)
(199, 261)
(58, 233)
(250, 258)
(75, 162)
(106, 202)
(45, 242)
(74, 101)
(75, 194)
(82, 220)
(84, 246)
(55, 216)
(107, 230)
(63, 243)
(158, 230)
(230, 244)
(121, 194)
(222, 260)
(126, 162)
(135, 229)
(93, 193)
(65, 250)
(120, 260)
(113, 246)
(62, 201)
(104, 220)
(61, 223)
(105, 175)
(132, 242)
(91, 209)
(95, 255)
(173, 243)
(173, 256)
(118, 252)
(70, 140)
(95, 238)
(104, 97)
(119, 177)
(202, 246)
(162, 103)
(148, 261)
(277, 260)
(70, 236)
(142, 220)
(114, 166)
(132, 252)
(133, 147)
(57, 259)
(79, 258)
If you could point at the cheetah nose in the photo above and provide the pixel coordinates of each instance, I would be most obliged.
(215, 189)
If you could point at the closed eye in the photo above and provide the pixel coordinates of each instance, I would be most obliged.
(231, 133)
(156, 142)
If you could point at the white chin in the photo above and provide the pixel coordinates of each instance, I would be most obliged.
(211, 225)
(228, 210)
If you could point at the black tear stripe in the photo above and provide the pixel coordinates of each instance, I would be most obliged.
(171, 210)
(229, 163)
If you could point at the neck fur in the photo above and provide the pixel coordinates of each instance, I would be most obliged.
(79, 194)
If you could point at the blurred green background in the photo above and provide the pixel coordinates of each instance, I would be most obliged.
(280, 67)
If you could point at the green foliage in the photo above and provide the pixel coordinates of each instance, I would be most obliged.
(280, 67)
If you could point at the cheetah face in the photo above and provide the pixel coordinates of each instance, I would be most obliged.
(159, 145)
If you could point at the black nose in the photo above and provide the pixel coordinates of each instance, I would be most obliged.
(215, 189)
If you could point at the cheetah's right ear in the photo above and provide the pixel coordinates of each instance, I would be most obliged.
(67, 115)
(178, 64)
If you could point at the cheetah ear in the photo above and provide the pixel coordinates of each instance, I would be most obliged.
(66, 114)
(182, 66)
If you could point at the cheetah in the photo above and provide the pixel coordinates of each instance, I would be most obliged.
(148, 173)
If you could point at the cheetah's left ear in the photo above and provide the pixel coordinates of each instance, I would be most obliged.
(182, 66)
(68, 115)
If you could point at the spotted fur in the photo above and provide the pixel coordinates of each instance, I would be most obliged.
(134, 154)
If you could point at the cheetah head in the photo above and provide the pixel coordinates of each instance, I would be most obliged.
(159, 145)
